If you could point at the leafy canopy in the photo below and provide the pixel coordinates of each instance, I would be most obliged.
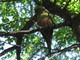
(15, 14)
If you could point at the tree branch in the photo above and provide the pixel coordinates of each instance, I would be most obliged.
(19, 35)
(14, 33)
(65, 6)
(8, 43)
(66, 49)
(6, 0)
(55, 9)
(8, 50)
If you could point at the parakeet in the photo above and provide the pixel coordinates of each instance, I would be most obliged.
(43, 20)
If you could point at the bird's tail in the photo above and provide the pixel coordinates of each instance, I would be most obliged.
(47, 34)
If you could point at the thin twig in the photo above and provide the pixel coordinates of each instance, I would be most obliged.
(9, 44)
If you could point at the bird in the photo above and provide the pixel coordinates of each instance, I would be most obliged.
(44, 20)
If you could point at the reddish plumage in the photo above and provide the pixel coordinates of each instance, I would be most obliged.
(47, 33)
(44, 20)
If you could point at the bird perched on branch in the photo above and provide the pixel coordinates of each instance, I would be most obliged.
(44, 20)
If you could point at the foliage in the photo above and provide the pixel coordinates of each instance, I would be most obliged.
(13, 17)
